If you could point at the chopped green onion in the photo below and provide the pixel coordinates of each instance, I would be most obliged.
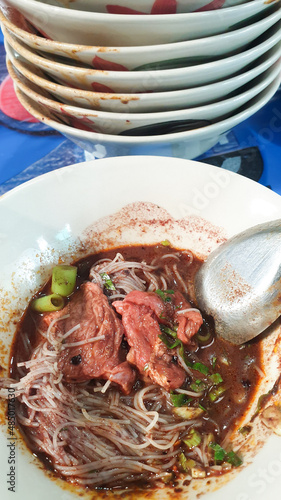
(219, 452)
(166, 243)
(194, 439)
(146, 366)
(201, 368)
(261, 401)
(186, 463)
(216, 393)
(245, 430)
(167, 342)
(107, 281)
(63, 280)
(182, 462)
(197, 386)
(187, 412)
(202, 407)
(203, 337)
(169, 331)
(164, 294)
(216, 378)
(221, 455)
(214, 360)
(233, 459)
(179, 399)
(48, 303)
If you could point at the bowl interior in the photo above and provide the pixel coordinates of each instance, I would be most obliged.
(35, 233)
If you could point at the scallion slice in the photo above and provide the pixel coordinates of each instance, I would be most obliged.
(219, 452)
(169, 331)
(203, 337)
(48, 303)
(193, 439)
(220, 455)
(168, 343)
(233, 459)
(216, 378)
(165, 243)
(179, 399)
(63, 280)
(201, 368)
(107, 281)
(197, 386)
(216, 392)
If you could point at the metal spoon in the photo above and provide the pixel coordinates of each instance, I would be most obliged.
(239, 284)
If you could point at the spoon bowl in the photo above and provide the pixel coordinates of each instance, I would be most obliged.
(239, 284)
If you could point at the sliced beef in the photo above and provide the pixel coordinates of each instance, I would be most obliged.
(124, 376)
(148, 352)
(174, 309)
(105, 358)
(188, 319)
(142, 312)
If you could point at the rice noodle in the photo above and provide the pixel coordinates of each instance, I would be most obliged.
(83, 342)
(183, 364)
(102, 440)
(189, 393)
(258, 369)
(179, 278)
(189, 309)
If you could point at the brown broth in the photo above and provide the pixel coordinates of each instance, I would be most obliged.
(236, 365)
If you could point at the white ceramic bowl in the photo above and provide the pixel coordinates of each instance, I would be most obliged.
(90, 28)
(144, 6)
(116, 123)
(136, 103)
(35, 233)
(188, 144)
(148, 81)
(122, 58)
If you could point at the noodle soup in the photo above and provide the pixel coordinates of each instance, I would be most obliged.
(126, 385)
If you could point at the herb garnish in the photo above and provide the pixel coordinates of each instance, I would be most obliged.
(107, 281)
(164, 294)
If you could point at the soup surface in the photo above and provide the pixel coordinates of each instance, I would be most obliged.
(127, 385)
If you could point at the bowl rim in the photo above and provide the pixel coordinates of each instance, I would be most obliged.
(266, 78)
(147, 97)
(133, 76)
(136, 49)
(207, 131)
(133, 19)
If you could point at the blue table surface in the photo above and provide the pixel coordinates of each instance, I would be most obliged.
(28, 150)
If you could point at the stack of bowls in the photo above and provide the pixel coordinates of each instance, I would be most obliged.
(134, 76)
